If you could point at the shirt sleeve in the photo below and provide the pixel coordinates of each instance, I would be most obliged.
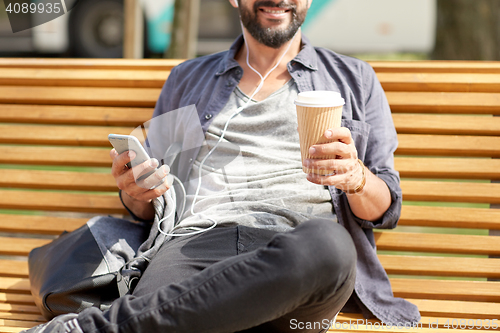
(381, 145)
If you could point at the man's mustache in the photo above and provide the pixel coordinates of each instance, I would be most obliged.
(269, 3)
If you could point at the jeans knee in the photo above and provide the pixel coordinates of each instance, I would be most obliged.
(320, 250)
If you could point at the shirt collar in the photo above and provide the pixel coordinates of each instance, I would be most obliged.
(307, 56)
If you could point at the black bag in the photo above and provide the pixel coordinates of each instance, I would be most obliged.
(74, 272)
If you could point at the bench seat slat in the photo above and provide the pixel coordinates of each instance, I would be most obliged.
(100, 96)
(14, 285)
(44, 225)
(66, 156)
(14, 246)
(439, 243)
(61, 201)
(83, 78)
(446, 124)
(60, 135)
(452, 217)
(436, 66)
(14, 298)
(451, 191)
(451, 168)
(444, 102)
(22, 316)
(75, 115)
(457, 309)
(441, 266)
(478, 291)
(63, 180)
(449, 82)
(448, 145)
(69, 63)
(12, 268)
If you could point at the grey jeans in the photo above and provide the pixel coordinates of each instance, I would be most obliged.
(239, 279)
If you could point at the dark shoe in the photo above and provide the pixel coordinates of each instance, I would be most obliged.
(61, 324)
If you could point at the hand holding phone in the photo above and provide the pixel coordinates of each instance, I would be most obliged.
(123, 143)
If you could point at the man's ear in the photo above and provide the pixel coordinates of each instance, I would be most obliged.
(234, 3)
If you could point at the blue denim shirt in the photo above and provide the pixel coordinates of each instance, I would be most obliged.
(207, 83)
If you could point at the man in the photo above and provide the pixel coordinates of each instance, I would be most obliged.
(276, 259)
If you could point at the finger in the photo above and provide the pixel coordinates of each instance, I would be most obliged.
(340, 181)
(119, 162)
(144, 168)
(342, 134)
(337, 166)
(113, 153)
(148, 195)
(156, 178)
(339, 149)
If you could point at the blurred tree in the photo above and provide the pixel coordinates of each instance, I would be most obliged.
(184, 30)
(468, 30)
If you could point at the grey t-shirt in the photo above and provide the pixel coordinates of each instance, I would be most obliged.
(254, 177)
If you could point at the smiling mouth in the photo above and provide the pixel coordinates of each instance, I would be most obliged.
(274, 11)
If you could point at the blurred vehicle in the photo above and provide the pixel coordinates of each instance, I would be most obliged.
(94, 28)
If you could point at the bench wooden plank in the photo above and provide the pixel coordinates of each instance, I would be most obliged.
(448, 145)
(116, 64)
(67, 156)
(83, 78)
(22, 316)
(59, 135)
(130, 97)
(21, 324)
(42, 225)
(445, 102)
(477, 291)
(435, 66)
(15, 285)
(62, 180)
(451, 191)
(12, 268)
(17, 246)
(19, 308)
(75, 115)
(441, 266)
(14, 298)
(437, 243)
(449, 82)
(61, 201)
(446, 124)
(452, 217)
(457, 309)
(450, 168)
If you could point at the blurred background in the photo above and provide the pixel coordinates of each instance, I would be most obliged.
(368, 29)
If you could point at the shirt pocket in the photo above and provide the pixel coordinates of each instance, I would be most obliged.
(359, 133)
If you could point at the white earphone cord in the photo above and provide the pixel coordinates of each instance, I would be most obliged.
(238, 110)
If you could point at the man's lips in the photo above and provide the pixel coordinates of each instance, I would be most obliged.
(274, 12)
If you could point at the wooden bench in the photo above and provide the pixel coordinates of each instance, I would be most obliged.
(55, 115)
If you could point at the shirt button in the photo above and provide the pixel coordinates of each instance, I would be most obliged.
(229, 84)
(208, 116)
(299, 75)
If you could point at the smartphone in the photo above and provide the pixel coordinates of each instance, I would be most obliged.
(123, 143)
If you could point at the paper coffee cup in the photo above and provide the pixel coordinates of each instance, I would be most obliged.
(317, 111)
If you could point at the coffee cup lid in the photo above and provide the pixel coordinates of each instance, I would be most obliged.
(319, 99)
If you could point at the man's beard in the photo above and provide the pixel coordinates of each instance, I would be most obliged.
(274, 38)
